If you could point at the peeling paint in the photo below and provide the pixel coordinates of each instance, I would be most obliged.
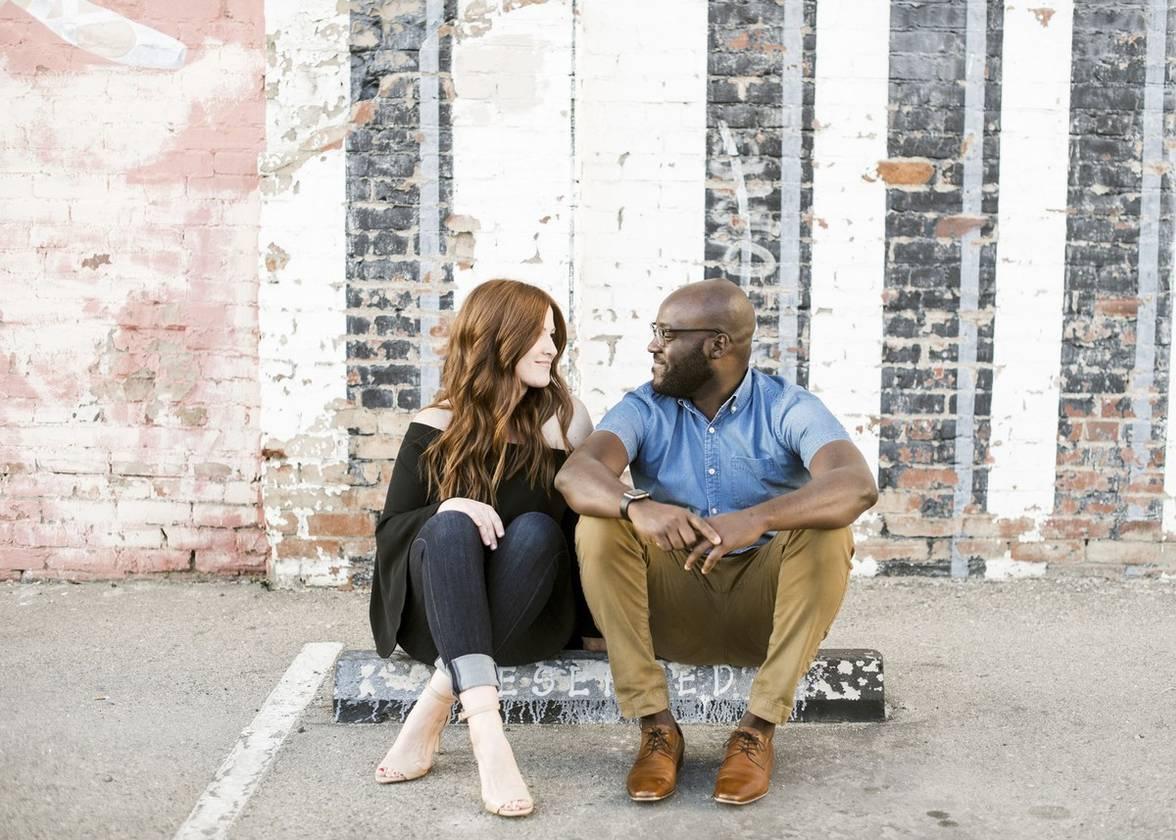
(1044, 15)
(1006, 568)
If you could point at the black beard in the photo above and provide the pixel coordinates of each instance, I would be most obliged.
(684, 378)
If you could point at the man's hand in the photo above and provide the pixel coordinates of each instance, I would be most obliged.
(736, 530)
(670, 527)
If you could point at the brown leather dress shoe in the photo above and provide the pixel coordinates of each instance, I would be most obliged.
(746, 772)
(655, 772)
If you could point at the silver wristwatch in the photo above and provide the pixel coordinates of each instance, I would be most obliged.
(630, 497)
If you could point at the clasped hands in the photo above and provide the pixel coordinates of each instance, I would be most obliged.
(670, 528)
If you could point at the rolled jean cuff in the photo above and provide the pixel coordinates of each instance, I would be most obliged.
(473, 670)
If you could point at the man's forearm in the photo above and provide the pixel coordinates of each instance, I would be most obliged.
(831, 500)
(589, 487)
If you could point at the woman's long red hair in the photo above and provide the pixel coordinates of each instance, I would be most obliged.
(498, 323)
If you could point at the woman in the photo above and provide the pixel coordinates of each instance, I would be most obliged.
(473, 567)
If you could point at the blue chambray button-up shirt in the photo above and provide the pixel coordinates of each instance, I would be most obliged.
(758, 446)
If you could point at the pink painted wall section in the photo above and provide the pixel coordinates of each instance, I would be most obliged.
(129, 431)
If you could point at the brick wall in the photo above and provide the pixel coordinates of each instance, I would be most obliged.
(224, 301)
(129, 425)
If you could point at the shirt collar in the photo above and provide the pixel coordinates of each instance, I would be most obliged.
(742, 395)
(737, 400)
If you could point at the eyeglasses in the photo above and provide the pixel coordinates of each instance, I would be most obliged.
(665, 335)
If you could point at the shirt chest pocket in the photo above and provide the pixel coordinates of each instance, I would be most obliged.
(754, 480)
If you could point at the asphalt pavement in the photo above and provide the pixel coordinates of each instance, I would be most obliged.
(1032, 708)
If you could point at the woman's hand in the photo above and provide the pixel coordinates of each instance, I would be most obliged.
(485, 517)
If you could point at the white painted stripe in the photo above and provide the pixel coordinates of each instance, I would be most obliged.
(849, 205)
(511, 152)
(245, 767)
(641, 168)
(1143, 373)
(431, 270)
(303, 258)
(302, 237)
(1170, 454)
(791, 151)
(965, 438)
(1030, 271)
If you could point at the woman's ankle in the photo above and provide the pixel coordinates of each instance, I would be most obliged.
(479, 697)
(441, 685)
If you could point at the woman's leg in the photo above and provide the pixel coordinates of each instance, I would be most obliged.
(450, 560)
(412, 753)
(528, 589)
(444, 547)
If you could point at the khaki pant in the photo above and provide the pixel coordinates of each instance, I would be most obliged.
(768, 607)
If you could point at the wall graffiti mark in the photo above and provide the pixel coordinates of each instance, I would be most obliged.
(107, 34)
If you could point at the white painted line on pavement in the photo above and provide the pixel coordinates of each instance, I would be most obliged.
(241, 773)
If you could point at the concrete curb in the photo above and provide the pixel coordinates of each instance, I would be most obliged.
(841, 686)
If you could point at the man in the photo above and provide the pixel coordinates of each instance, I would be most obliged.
(733, 548)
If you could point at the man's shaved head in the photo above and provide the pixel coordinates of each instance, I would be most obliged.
(713, 303)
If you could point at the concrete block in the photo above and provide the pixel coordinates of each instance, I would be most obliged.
(576, 687)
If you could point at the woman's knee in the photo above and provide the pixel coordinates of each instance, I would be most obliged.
(535, 523)
(533, 533)
(450, 536)
(449, 525)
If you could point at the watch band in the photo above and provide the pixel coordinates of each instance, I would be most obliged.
(627, 499)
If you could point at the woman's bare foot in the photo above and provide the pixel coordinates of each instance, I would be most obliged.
(503, 790)
(412, 753)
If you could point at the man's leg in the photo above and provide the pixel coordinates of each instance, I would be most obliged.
(781, 609)
(613, 572)
(622, 578)
(805, 573)
(644, 601)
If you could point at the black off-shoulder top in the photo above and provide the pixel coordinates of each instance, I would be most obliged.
(409, 505)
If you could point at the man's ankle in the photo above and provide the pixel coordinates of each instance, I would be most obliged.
(763, 727)
(662, 718)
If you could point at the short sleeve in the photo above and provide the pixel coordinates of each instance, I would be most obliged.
(806, 425)
(628, 421)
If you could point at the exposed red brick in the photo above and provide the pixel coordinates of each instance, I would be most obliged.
(954, 227)
(1100, 430)
(1122, 551)
(927, 478)
(883, 549)
(1070, 528)
(1080, 481)
(899, 172)
(341, 524)
(294, 547)
(919, 526)
(1117, 307)
(21, 557)
(978, 547)
(1146, 529)
(1054, 551)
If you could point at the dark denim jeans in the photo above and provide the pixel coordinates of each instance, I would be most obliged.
(512, 604)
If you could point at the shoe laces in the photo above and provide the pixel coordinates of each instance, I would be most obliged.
(657, 739)
(746, 743)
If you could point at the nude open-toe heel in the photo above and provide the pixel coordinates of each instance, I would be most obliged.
(517, 806)
(395, 768)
